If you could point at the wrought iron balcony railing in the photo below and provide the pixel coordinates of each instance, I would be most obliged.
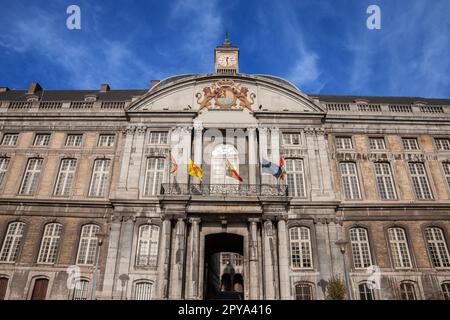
(225, 189)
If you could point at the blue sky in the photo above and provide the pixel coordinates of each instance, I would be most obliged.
(323, 46)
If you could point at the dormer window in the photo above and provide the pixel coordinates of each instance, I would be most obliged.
(32, 98)
(90, 98)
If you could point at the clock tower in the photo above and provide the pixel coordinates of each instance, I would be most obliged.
(226, 57)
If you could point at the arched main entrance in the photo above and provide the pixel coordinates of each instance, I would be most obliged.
(224, 267)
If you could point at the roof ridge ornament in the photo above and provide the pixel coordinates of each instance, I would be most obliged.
(226, 41)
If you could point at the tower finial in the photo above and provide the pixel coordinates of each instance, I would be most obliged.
(227, 40)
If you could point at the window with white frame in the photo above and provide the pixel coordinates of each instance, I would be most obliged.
(303, 291)
(399, 248)
(344, 143)
(359, 241)
(350, 183)
(219, 157)
(147, 250)
(11, 243)
(442, 144)
(420, 180)
(410, 144)
(87, 247)
(408, 291)
(74, 140)
(99, 180)
(50, 243)
(31, 177)
(106, 140)
(437, 247)
(300, 242)
(445, 286)
(41, 140)
(10, 139)
(385, 181)
(81, 290)
(66, 177)
(154, 175)
(295, 177)
(142, 290)
(446, 168)
(292, 139)
(365, 292)
(377, 143)
(4, 165)
(158, 138)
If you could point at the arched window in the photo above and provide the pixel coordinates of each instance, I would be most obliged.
(399, 248)
(219, 157)
(3, 287)
(360, 248)
(142, 290)
(445, 286)
(81, 290)
(99, 179)
(154, 174)
(87, 247)
(303, 291)
(300, 241)
(40, 289)
(147, 251)
(408, 291)
(50, 243)
(437, 247)
(296, 177)
(66, 177)
(11, 244)
(365, 292)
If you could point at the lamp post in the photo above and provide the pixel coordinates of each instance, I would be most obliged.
(100, 237)
(342, 244)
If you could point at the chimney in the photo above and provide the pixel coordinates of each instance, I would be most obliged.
(153, 83)
(104, 87)
(34, 87)
(4, 89)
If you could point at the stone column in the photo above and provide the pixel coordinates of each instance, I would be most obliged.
(111, 260)
(136, 159)
(253, 257)
(127, 151)
(269, 247)
(124, 256)
(265, 178)
(164, 259)
(177, 270)
(275, 144)
(185, 143)
(252, 155)
(283, 261)
(194, 256)
(198, 143)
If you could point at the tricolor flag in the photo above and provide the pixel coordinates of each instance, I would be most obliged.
(173, 166)
(271, 168)
(231, 172)
(195, 170)
(283, 168)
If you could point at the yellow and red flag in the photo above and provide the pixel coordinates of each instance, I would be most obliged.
(195, 170)
(173, 166)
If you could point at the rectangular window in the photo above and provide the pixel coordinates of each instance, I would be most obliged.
(74, 140)
(158, 138)
(106, 140)
(410, 144)
(4, 165)
(442, 144)
(385, 181)
(446, 168)
(99, 178)
(350, 181)
(31, 177)
(420, 180)
(66, 176)
(295, 177)
(293, 139)
(154, 174)
(300, 243)
(41, 140)
(10, 139)
(344, 143)
(377, 143)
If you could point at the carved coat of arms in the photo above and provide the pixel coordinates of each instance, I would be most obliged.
(225, 94)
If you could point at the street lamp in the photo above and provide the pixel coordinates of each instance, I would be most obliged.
(100, 237)
(342, 244)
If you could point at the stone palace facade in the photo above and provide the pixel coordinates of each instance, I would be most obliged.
(87, 198)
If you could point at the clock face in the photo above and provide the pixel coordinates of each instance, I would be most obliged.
(226, 60)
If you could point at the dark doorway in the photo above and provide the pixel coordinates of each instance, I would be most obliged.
(3, 287)
(224, 266)
(40, 289)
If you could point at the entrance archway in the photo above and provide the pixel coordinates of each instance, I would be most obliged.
(224, 267)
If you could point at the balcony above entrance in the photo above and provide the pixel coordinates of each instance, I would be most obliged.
(250, 190)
